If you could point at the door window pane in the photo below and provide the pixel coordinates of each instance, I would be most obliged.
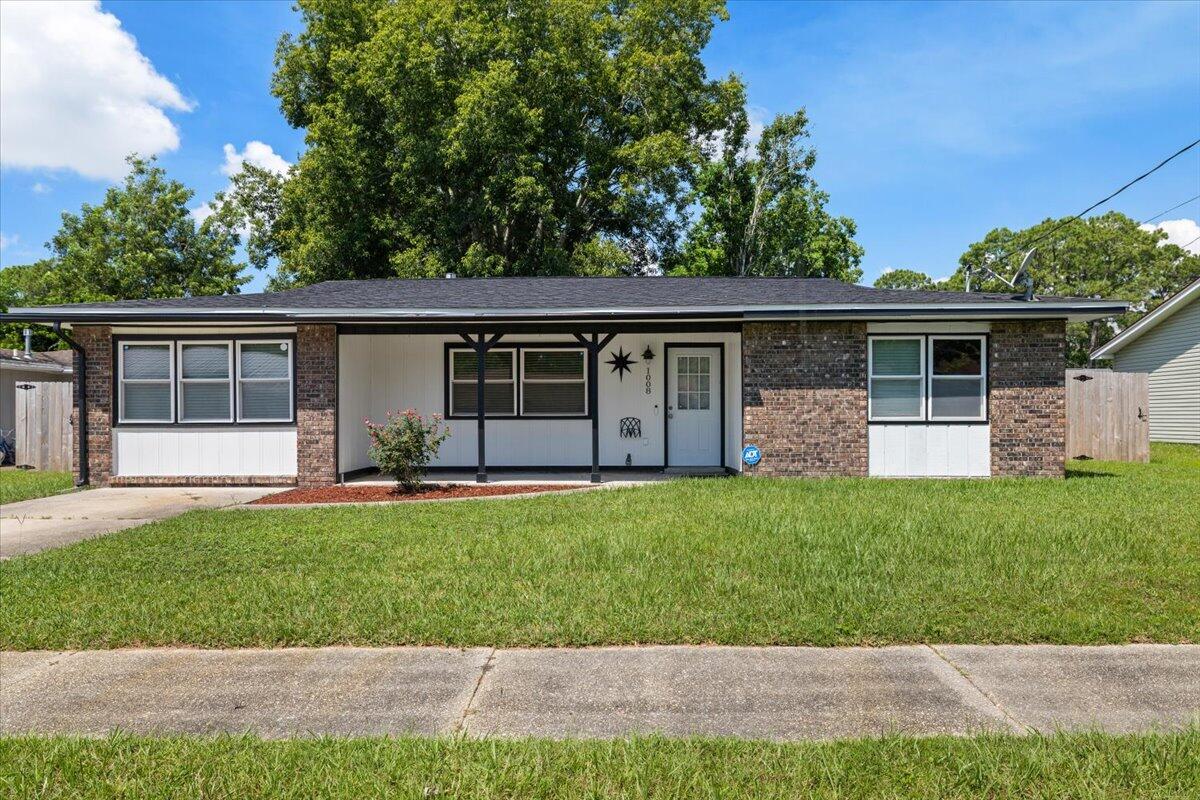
(693, 383)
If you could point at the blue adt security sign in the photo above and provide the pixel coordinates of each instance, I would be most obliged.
(751, 454)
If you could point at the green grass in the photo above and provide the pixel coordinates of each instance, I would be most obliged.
(1078, 766)
(1111, 554)
(26, 484)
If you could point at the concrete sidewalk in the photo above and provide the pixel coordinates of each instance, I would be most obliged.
(31, 526)
(774, 693)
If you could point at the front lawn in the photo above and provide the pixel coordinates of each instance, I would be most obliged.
(1111, 554)
(1079, 766)
(26, 484)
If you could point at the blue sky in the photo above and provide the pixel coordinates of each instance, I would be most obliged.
(933, 122)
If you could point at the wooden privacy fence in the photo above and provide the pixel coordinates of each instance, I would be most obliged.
(1108, 415)
(43, 420)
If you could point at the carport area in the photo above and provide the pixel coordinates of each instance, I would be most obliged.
(31, 526)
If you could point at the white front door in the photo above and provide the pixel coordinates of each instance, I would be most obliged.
(694, 406)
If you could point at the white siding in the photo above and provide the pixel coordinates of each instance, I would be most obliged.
(378, 373)
(929, 450)
(200, 451)
(1170, 352)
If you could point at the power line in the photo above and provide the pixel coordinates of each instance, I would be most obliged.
(1169, 210)
(1189, 244)
(1098, 203)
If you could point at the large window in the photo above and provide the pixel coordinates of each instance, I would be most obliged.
(499, 383)
(205, 382)
(935, 378)
(264, 381)
(147, 372)
(897, 390)
(519, 381)
(553, 382)
(201, 381)
(956, 378)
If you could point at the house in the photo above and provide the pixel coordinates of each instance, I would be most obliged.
(825, 378)
(1166, 344)
(19, 368)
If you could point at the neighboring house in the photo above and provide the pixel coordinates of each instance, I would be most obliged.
(19, 367)
(1166, 344)
(825, 378)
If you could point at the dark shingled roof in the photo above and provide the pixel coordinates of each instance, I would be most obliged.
(501, 294)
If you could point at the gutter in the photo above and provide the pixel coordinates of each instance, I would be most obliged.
(83, 412)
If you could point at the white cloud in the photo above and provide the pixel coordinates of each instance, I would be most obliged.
(6, 241)
(1179, 232)
(77, 93)
(258, 153)
(41, 188)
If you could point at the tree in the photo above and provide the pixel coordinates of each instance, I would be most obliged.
(905, 279)
(140, 242)
(490, 137)
(762, 213)
(1105, 256)
(21, 286)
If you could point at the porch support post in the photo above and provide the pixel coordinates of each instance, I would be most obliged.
(595, 345)
(480, 416)
(481, 347)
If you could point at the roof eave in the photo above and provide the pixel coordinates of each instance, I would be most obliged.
(1148, 322)
(1075, 311)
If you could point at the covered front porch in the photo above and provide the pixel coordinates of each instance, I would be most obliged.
(536, 403)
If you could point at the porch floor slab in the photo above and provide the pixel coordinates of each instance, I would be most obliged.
(528, 477)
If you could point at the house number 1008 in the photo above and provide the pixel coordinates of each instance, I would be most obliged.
(647, 380)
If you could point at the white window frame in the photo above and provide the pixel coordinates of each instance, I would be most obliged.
(583, 382)
(229, 381)
(921, 378)
(291, 379)
(981, 377)
(512, 352)
(122, 381)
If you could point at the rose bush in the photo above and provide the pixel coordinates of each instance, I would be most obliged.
(404, 444)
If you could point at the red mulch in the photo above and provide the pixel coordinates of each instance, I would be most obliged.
(381, 494)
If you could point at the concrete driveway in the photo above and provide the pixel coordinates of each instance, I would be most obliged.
(31, 526)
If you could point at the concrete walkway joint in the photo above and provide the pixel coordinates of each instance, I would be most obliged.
(779, 693)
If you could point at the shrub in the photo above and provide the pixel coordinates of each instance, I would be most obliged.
(404, 445)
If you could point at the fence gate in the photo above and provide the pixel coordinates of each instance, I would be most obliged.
(43, 421)
(1108, 415)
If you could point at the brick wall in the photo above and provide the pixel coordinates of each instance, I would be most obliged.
(1027, 399)
(316, 405)
(96, 341)
(804, 389)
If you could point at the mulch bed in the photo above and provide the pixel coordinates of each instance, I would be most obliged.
(384, 494)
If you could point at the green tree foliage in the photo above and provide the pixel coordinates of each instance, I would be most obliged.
(1105, 256)
(21, 286)
(762, 213)
(140, 242)
(489, 137)
(905, 279)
